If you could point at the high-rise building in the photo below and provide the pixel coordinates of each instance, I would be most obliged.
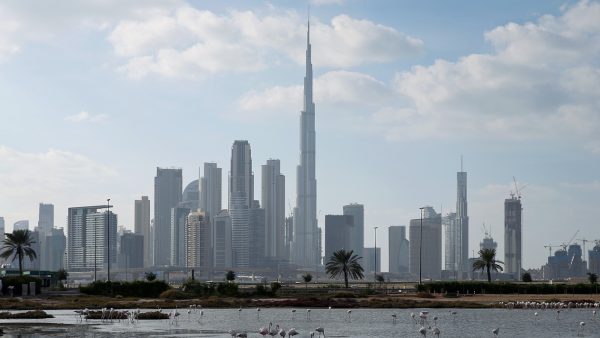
(78, 227)
(142, 227)
(488, 243)
(179, 217)
(369, 257)
(512, 236)
(305, 248)
(167, 195)
(2, 227)
(241, 197)
(210, 190)
(131, 251)
(449, 225)
(273, 201)
(53, 249)
(257, 236)
(594, 258)
(191, 196)
(398, 249)
(46, 217)
(21, 225)
(101, 239)
(461, 242)
(431, 259)
(289, 235)
(338, 230)
(34, 264)
(198, 242)
(357, 235)
(222, 240)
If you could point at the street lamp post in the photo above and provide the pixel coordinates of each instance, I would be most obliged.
(375, 266)
(421, 250)
(108, 239)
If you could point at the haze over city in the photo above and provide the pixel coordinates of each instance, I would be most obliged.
(94, 98)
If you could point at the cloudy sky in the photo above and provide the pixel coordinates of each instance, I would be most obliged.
(94, 95)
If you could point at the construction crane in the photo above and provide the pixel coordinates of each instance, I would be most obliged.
(517, 189)
(549, 247)
(565, 245)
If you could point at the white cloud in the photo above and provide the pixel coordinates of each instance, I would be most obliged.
(327, 2)
(189, 42)
(54, 175)
(541, 80)
(340, 88)
(84, 116)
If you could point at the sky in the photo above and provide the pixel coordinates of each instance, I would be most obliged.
(94, 95)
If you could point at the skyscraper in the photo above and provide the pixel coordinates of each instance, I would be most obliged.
(398, 249)
(338, 230)
(462, 223)
(191, 196)
(167, 195)
(142, 227)
(273, 201)
(197, 242)
(257, 237)
(179, 217)
(46, 217)
(131, 251)
(222, 240)
(369, 258)
(53, 250)
(357, 234)
(210, 190)
(101, 239)
(21, 225)
(241, 196)
(2, 227)
(306, 251)
(432, 245)
(512, 236)
(451, 235)
(78, 225)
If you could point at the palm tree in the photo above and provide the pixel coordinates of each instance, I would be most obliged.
(592, 277)
(230, 276)
(487, 261)
(18, 244)
(307, 277)
(343, 262)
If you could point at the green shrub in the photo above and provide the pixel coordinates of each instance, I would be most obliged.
(275, 286)
(17, 282)
(227, 289)
(175, 294)
(199, 289)
(126, 289)
(468, 287)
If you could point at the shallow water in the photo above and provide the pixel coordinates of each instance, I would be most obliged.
(337, 323)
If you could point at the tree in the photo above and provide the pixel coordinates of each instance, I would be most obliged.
(307, 277)
(150, 276)
(380, 279)
(18, 244)
(62, 275)
(526, 277)
(230, 276)
(592, 277)
(487, 261)
(344, 263)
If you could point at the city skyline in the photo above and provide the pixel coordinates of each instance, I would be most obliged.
(409, 153)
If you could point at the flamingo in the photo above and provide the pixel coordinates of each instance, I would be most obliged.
(557, 314)
(308, 314)
(581, 326)
(496, 331)
(258, 313)
(312, 334)
(423, 331)
(394, 316)
(232, 332)
(436, 331)
(263, 331)
(292, 332)
(435, 318)
(321, 331)
(242, 335)
(293, 314)
(349, 312)
(273, 332)
(282, 333)
(412, 315)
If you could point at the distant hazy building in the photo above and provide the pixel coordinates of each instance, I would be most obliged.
(432, 245)
(357, 234)
(594, 258)
(198, 242)
(449, 224)
(191, 196)
(36, 246)
(273, 202)
(222, 240)
(337, 233)
(512, 236)
(210, 190)
(79, 242)
(461, 237)
(53, 249)
(131, 251)
(21, 225)
(167, 195)
(142, 227)
(2, 227)
(46, 217)
(306, 249)
(369, 258)
(289, 234)
(241, 197)
(179, 216)
(488, 243)
(101, 239)
(558, 266)
(398, 249)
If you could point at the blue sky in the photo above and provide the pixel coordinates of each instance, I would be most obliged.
(95, 95)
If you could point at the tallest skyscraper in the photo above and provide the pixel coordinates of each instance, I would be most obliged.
(305, 246)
